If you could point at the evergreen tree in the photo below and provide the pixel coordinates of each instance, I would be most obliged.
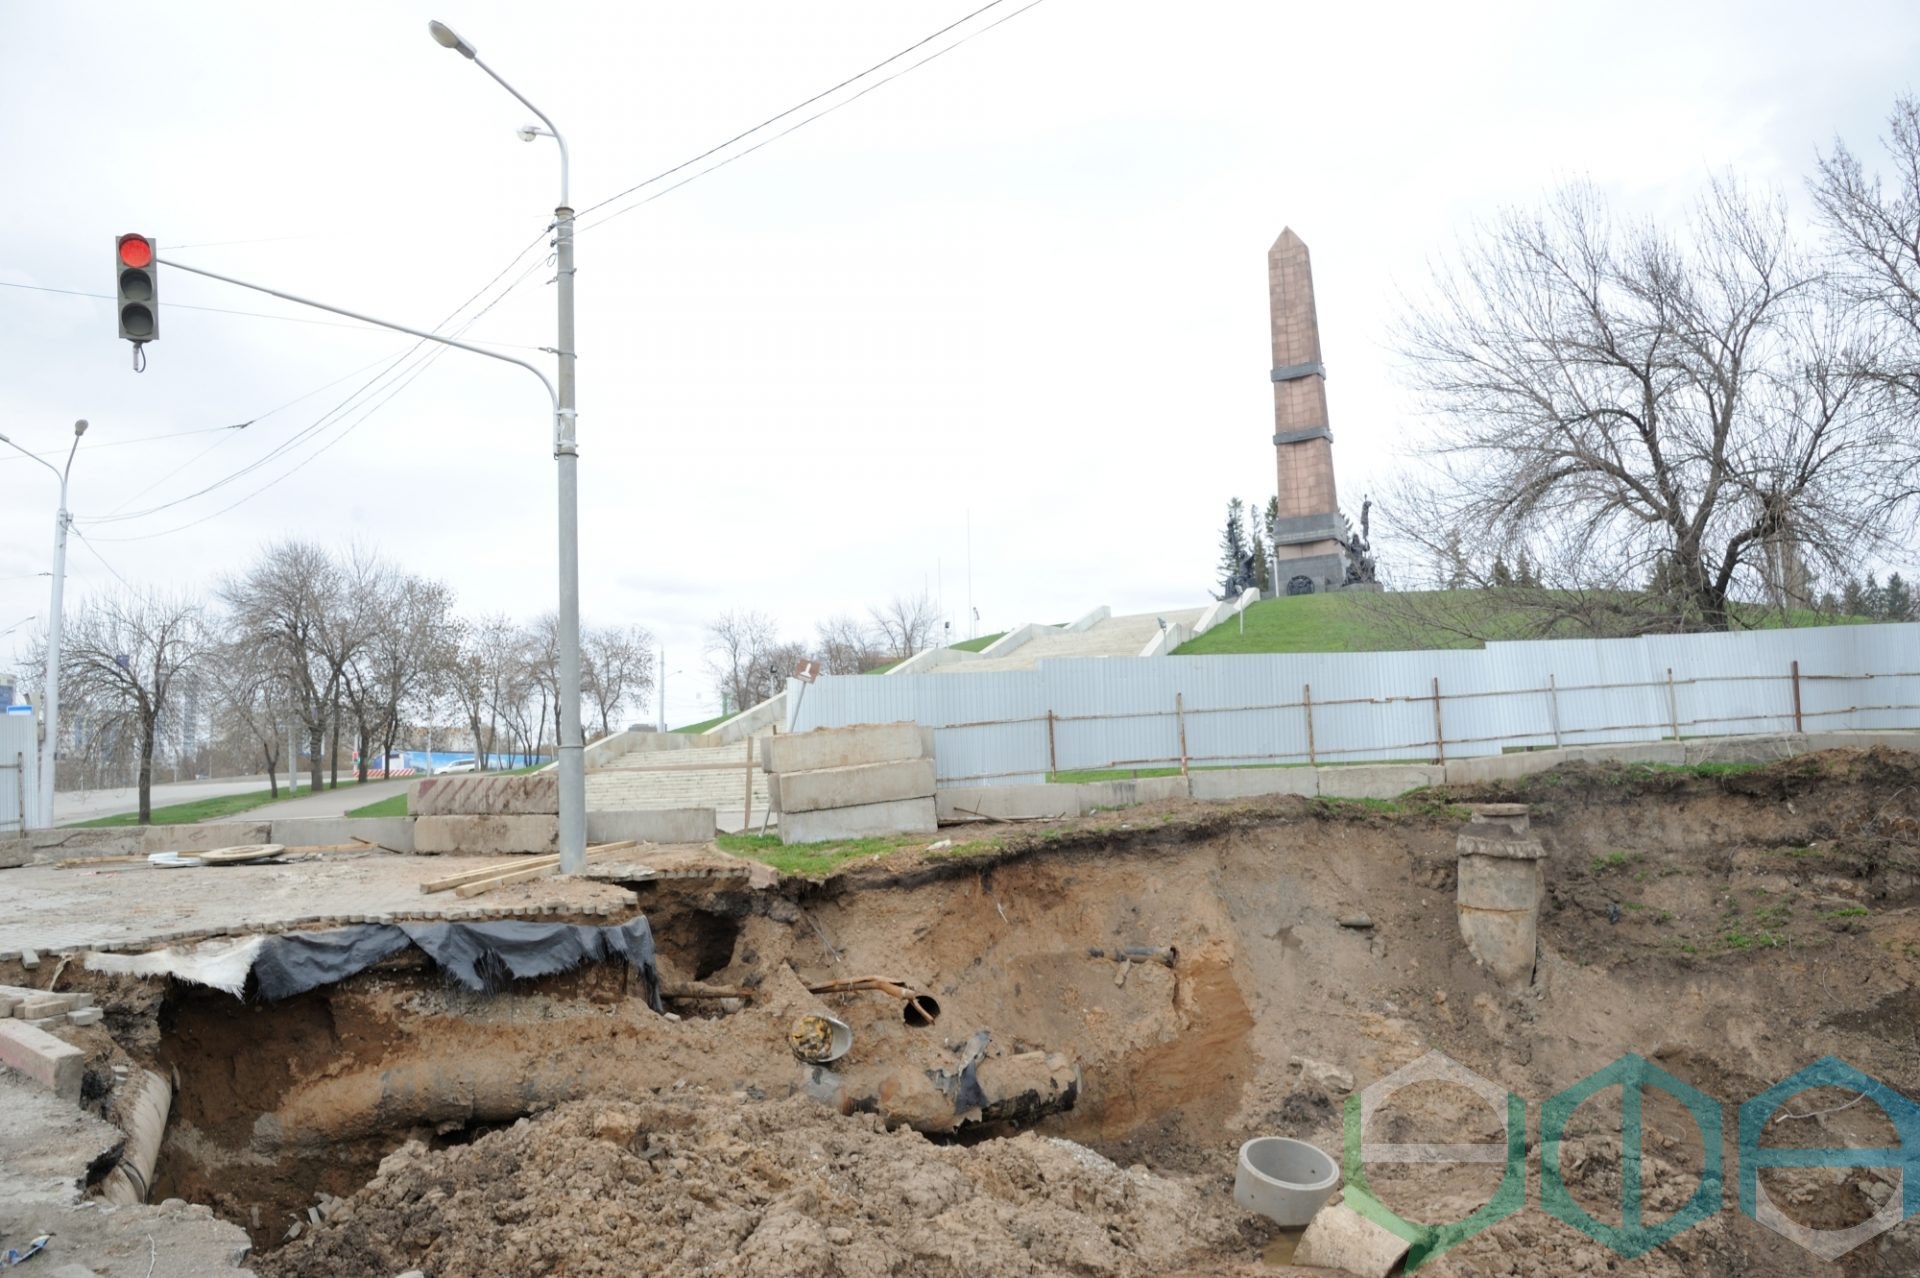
(1501, 575)
(1524, 573)
(1853, 599)
(1235, 565)
(1873, 599)
(1453, 563)
(1898, 598)
(1261, 547)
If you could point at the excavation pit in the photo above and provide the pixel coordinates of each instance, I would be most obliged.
(522, 1129)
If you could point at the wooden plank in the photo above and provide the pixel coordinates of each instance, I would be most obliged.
(487, 872)
(479, 886)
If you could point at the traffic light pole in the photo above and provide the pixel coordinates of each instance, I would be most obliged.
(573, 778)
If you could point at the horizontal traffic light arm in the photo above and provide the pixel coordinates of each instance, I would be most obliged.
(563, 440)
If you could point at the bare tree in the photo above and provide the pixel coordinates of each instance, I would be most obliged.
(1671, 410)
(279, 608)
(616, 669)
(907, 623)
(845, 645)
(123, 659)
(739, 648)
(251, 709)
(410, 640)
(1874, 229)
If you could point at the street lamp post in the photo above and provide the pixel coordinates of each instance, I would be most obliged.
(50, 699)
(573, 775)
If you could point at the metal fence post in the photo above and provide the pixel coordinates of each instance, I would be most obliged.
(1053, 756)
(1553, 709)
(1180, 716)
(1673, 705)
(1797, 723)
(1306, 700)
(746, 817)
(1439, 732)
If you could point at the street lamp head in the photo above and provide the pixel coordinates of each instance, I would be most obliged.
(80, 428)
(447, 38)
(528, 132)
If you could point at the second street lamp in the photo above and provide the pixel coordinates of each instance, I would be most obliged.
(573, 775)
(50, 699)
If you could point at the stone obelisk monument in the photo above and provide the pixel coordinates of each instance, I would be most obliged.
(1310, 532)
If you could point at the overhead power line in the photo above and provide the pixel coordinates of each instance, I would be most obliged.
(396, 382)
(666, 173)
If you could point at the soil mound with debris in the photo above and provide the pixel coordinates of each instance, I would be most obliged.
(719, 1186)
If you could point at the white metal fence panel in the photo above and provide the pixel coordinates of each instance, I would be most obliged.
(1095, 714)
(19, 774)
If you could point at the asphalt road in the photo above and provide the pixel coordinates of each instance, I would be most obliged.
(85, 805)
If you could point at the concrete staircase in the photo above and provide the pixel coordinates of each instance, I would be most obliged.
(1110, 637)
(707, 777)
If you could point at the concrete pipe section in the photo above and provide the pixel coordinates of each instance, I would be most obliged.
(1285, 1180)
(1500, 885)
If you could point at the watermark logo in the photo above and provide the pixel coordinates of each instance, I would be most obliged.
(1632, 1236)
(1427, 1241)
(1829, 1244)
(1635, 1235)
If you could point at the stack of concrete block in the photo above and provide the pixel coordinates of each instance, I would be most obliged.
(851, 783)
(44, 1008)
(495, 816)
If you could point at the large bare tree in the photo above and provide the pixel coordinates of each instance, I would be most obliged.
(1874, 229)
(1685, 413)
(124, 659)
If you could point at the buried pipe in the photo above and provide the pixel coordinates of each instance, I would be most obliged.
(1163, 955)
(145, 1116)
(917, 1009)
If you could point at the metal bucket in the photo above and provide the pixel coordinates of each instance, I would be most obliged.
(1284, 1180)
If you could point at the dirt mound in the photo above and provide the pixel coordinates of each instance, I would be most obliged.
(699, 1184)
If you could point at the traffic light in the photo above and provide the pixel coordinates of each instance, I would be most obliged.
(139, 294)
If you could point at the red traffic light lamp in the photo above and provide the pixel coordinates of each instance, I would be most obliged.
(138, 291)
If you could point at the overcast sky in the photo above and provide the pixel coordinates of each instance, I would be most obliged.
(1023, 284)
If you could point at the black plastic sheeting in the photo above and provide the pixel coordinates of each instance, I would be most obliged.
(480, 956)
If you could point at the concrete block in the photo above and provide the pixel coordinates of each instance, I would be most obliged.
(1006, 802)
(1246, 783)
(1502, 767)
(205, 838)
(841, 747)
(38, 1005)
(852, 787)
(1124, 794)
(869, 820)
(42, 1057)
(1747, 749)
(85, 1016)
(1378, 780)
(318, 832)
(535, 794)
(486, 835)
(15, 852)
(1629, 752)
(8, 1006)
(668, 825)
(1862, 739)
